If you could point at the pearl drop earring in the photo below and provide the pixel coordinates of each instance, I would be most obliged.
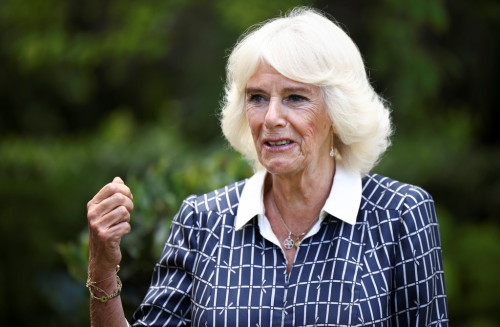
(332, 151)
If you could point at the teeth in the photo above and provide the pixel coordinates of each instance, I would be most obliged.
(282, 142)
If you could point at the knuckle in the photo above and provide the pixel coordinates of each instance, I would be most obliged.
(127, 220)
(127, 216)
(111, 188)
(98, 232)
(119, 197)
(92, 214)
(122, 211)
(103, 234)
(94, 226)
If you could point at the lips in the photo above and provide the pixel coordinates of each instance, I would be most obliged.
(278, 144)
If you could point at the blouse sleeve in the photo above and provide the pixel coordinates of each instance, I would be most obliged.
(419, 292)
(167, 301)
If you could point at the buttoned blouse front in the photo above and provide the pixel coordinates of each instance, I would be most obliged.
(373, 258)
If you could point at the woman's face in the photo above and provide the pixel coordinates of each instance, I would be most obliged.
(289, 122)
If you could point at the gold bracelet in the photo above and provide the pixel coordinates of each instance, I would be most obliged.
(106, 297)
(91, 284)
(89, 281)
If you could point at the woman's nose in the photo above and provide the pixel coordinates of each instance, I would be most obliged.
(275, 115)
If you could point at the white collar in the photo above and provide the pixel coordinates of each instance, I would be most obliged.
(343, 202)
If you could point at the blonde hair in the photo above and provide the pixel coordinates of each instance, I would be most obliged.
(307, 47)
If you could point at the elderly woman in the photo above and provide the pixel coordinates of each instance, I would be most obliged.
(313, 238)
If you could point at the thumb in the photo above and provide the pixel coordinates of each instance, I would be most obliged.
(118, 180)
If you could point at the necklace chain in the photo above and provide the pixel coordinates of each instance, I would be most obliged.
(289, 243)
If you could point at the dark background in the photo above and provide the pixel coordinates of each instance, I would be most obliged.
(94, 89)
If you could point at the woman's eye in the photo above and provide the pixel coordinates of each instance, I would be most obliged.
(296, 98)
(256, 98)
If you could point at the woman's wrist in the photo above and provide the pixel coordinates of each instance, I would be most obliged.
(101, 269)
(105, 285)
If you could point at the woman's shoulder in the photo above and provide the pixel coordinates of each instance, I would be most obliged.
(223, 200)
(381, 192)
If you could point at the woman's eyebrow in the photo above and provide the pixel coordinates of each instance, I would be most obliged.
(254, 90)
(297, 89)
(292, 89)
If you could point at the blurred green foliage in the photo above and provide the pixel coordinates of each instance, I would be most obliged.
(91, 90)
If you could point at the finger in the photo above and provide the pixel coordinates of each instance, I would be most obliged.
(106, 243)
(120, 230)
(108, 190)
(118, 179)
(100, 227)
(107, 206)
(113, 235)
(111, 188)
(114, 201)
(118, 216)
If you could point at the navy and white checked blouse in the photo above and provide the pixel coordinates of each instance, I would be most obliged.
(383, 268)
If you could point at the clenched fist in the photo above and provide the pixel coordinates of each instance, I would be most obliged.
(108, 215)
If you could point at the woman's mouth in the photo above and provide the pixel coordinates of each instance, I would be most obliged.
(277, 143)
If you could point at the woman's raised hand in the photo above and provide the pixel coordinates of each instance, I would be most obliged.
(108, 215)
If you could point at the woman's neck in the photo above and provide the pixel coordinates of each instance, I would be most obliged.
(300, 197)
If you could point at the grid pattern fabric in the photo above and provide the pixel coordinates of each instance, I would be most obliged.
(386, 270)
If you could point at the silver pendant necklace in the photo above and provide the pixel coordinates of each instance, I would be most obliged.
(290, 242)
